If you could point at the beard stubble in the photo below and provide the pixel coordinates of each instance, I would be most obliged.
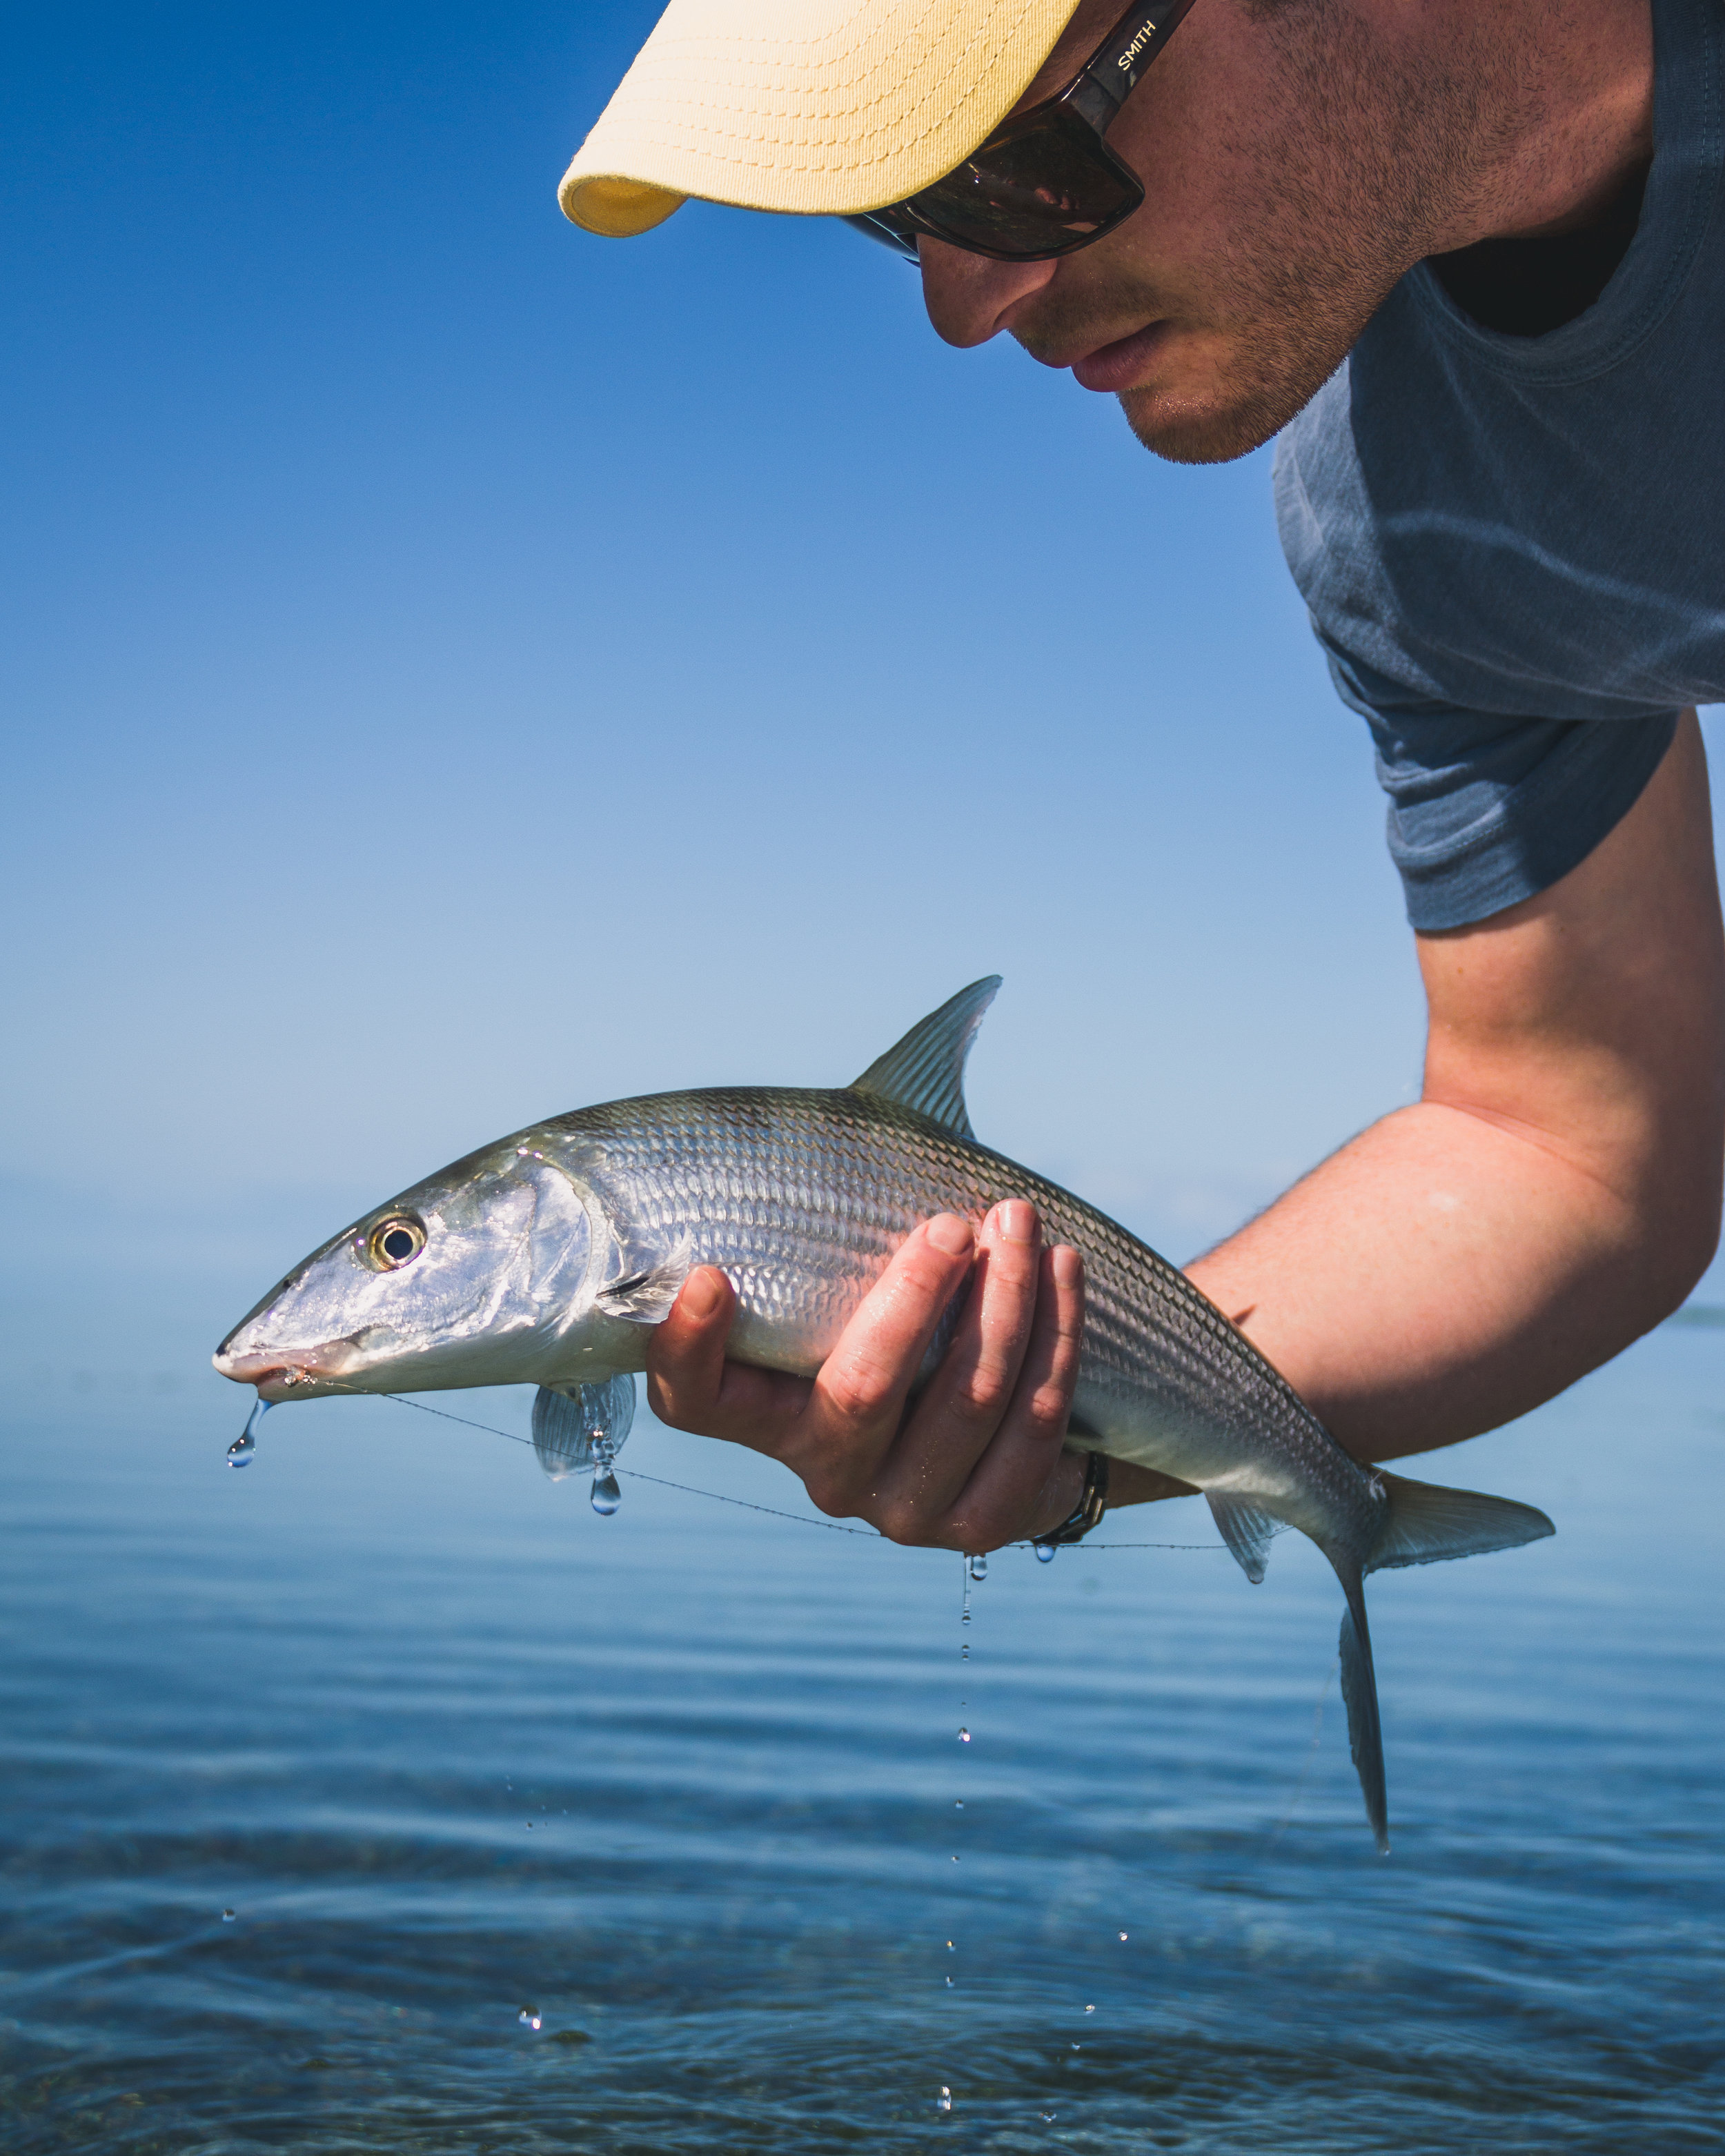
(1324, 207)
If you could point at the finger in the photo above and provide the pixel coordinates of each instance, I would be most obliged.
(859, 1397)
(685, 1354)
(953, 1423)
(691, 1385)
(1024, 1481)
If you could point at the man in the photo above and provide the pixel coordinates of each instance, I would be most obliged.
(1469, 254)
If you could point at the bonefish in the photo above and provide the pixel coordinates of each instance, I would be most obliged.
(545, 1259)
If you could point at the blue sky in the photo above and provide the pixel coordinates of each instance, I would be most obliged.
(460, 668)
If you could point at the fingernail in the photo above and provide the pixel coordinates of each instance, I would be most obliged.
(948, 1233)
(702, 1293)
(1068, 1267)
(1018, 1220)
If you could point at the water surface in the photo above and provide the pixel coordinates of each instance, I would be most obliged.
(683, 1787)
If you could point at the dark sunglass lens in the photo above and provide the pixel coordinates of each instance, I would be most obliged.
(1049, 188)
(880, 224)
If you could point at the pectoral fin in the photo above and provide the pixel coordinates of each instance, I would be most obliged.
(645, 1297)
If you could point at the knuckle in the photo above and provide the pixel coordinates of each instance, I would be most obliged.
(1014, 1267)
(982, 1399)
(856, 1391)
(903, 1523)
(826, 1495)
(978, 1531)
(925, 1274)
(1049, 1410)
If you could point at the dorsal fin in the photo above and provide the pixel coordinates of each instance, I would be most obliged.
(926, 1070)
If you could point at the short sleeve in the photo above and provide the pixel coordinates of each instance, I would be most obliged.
(1486, 809)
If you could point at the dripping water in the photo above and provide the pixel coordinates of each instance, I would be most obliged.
(240, 1453)
(607, 1495)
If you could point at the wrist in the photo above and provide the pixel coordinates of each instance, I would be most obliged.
(1089, 1501)
(1061, 1496)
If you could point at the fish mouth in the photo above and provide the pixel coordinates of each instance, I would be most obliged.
(283, 1377)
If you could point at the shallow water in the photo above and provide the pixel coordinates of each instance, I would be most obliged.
(684, 1786)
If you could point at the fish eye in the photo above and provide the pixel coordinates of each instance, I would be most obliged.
(394, 1243)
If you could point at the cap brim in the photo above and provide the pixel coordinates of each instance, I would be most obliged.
(818, 108)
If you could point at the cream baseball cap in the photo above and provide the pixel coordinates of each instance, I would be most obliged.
(820, 107)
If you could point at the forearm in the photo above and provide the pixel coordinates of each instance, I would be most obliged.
(1439, 1275)
(1555, 1194)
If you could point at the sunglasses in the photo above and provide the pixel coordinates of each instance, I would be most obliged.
(1044, 183)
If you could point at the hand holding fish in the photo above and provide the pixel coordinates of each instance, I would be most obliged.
(976, 1458)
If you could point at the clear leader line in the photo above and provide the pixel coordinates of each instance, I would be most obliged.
(773, 1512)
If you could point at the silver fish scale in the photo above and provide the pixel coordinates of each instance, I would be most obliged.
(803, 1196)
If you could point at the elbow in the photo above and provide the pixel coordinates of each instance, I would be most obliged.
(1675, 1239)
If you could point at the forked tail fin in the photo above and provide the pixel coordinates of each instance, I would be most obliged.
(1426, 1523)
(1360, 1694)
(1422, 1524)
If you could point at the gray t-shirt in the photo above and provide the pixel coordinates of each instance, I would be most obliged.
(1513, 548)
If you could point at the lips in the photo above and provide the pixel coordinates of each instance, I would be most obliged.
(280, 1377)
(1112, 367)
(274, 1377)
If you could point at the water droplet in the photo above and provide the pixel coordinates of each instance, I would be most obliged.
(1090, 2009)
(528, 2019)
(958, 1806)
(606, 1495)
(1078, 2048)
(943, 2101)
(949, 1984)
(955, 1860)
(226, 1916)
(950, 1949)
(1046, 1555)
(530, 1826)
(964, 1652)
(1123, 1938)
(240, 1452)
(964, 1737)
(977, 1566)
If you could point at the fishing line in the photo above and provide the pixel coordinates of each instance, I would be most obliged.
(719, 1497)
(1317, 1730)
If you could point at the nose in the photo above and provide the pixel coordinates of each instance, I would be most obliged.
(970, 299)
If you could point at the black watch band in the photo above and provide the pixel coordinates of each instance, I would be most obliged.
(1092, 1503)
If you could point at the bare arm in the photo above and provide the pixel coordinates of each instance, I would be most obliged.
(1555, 1192)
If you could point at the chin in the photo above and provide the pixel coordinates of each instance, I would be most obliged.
(1206, 430)
(1218, 406)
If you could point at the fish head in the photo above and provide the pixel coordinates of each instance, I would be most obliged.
(475, 1276)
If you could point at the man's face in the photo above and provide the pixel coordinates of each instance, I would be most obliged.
(1293, 169)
